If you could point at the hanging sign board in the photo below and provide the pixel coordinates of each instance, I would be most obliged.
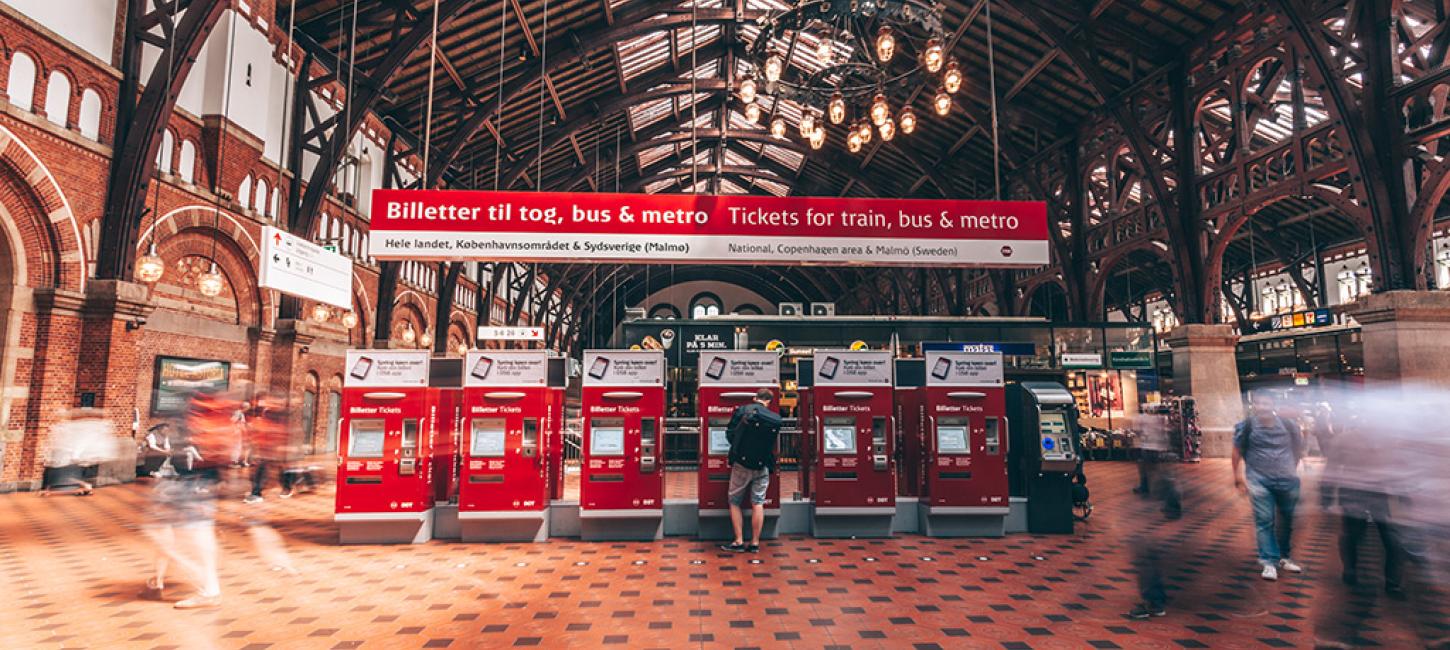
(500, 368)
(1082, 360)
(624, 368)
(298, 267)
(386, 369)
(486, 333)
(732, 229)
(963, 368)
(853, 368)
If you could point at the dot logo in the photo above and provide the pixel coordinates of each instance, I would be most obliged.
(1006, 251)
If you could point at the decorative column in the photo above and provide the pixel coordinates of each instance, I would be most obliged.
(1205, 368)
(1406, 336)
(113, 315)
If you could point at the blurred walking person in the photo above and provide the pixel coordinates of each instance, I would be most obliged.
(1267, 450)
(84, 439)
(268, 439)
(1160, 505)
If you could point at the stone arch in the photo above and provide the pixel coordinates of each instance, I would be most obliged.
(457, 333)
(409, 308)
(1422, 217)
(215, 246)
(207, 221)
(64, 260)
(1047, 298)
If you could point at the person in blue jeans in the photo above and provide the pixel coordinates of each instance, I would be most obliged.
(1269, 448)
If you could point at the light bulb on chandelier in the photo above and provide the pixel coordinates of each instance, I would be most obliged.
(879, 109)
(863, 130)
(825, 49)
(408, 334)
(777, 127)
(837, 109)
(885, 44)
(942, 103)
(773, 67)
(349, 320)
(952, 80)
(808, 123)
(818, 137)
(908, 120)
(752, 113)
(888, 130)
(321, 313)
(210, 283)
(747, 90)
(150, 267)
(853, 142)
(932, 57)
(426, 340)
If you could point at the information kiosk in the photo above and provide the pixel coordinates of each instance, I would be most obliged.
(728, 380)
(621, 494)
(854, 478)
(1044, 452)
(965, 488)
(503, 495)
(384, 468)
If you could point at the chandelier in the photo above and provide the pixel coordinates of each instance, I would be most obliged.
(845, 62)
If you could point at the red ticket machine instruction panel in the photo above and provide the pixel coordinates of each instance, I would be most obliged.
(623, 407)
(966, 433)
(855, 433)
(729, 380)
(554, 425)
(384, 463)
(911, 417)
(445, 409)
(506, 402)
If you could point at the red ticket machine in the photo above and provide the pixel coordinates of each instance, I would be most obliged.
(384, 464)
(965, 490)
(855, 476)
(503, 493)
(621, 492)
(728, 380)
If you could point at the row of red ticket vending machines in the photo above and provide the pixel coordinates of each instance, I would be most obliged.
(491, 433)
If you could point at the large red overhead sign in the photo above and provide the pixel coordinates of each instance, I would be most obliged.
(689, 228)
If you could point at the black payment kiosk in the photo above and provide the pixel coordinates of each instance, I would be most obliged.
(1044, 452)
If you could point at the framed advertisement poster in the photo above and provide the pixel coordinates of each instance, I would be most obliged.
(176, 378)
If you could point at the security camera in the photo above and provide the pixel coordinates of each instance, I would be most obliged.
(135, 323)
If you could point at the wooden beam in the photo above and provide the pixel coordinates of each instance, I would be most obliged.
(1032, 73)
(578, 153)
(554, 95)
(608, 11)
(524, 24)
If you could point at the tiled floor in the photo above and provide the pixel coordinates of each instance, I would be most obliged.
(74, 566)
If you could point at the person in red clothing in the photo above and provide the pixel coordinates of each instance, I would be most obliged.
(270, 439)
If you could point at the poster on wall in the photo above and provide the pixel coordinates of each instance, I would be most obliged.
(1105, 395)
(853, 368)
(624, 368)
(506, 368)
(964, 368)
(739, 368)
(696, 228)
(176, 378)
(386, 369)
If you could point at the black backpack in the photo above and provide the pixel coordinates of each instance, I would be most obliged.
(754, 445)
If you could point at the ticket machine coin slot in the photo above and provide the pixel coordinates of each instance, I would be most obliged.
(878, 443)
(647, 444)
(408, 448)
(530, 445)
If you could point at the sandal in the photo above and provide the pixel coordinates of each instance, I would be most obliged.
(153, 590)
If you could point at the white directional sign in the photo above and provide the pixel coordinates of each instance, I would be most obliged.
(510, 333)
(301, 268)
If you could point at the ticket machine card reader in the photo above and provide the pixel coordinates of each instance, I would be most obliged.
(1059, 454)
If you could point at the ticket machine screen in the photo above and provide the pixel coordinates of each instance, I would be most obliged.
(366, 440)
(488, 437)
(840, 435)
(719, 438)
(1052, 427)
(951, 435)
(606, 437)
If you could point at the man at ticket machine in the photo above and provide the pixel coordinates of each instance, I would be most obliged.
(753, 431)
(1044, 452)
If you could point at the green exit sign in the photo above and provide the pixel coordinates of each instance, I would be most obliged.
(331, 248)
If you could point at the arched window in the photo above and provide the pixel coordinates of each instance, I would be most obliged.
(20, 86)
(705, 304)
(244, 193)
(260, 204)
(186, 166)
(163, 157)
(345, 244)
(57, 98)
(90, 118)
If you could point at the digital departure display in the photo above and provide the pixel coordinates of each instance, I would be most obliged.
(366, 439)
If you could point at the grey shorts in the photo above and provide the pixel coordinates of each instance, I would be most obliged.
(744, 480)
